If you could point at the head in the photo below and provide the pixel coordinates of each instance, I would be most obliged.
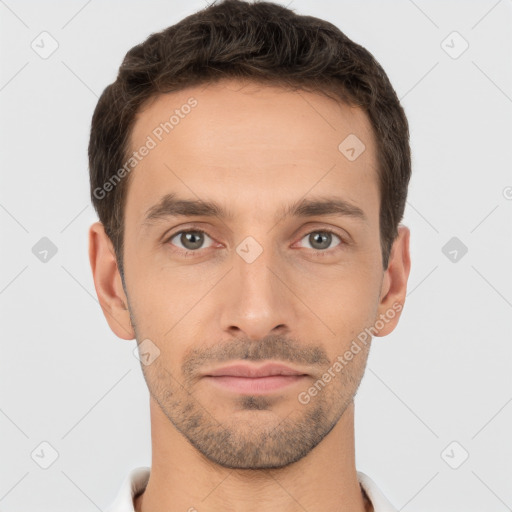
(281, 146)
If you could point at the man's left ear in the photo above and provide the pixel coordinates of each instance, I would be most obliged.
(394, 283)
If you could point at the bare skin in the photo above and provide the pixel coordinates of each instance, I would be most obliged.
(253, 150)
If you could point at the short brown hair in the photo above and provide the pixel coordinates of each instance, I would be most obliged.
(262, 42)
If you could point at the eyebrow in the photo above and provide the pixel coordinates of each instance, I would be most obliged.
(170, 206)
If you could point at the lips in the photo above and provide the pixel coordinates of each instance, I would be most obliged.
(243, 370)
(247, 379)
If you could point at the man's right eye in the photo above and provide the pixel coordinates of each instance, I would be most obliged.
(191, 240)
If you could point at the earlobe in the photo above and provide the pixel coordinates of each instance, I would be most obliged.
(107, 282)
(394, 283)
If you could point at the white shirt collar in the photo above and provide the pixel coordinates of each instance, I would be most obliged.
(136, 480)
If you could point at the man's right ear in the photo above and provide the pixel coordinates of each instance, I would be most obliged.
(108, 284)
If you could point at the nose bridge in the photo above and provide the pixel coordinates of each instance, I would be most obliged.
(257, 300)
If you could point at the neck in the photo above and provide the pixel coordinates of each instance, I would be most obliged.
(182, 479)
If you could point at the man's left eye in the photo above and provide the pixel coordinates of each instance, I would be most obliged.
(321, 239)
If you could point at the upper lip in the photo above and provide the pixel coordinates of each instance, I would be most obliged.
(244, 370)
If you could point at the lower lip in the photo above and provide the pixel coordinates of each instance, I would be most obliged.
(255, 385)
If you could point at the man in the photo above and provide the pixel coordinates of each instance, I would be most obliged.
(250, 167)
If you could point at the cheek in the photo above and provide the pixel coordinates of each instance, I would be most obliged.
(348, 304)
(154, 310)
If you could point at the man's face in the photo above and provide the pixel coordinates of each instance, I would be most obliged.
(257, 286)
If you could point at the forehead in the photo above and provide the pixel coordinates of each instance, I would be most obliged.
(240, 141)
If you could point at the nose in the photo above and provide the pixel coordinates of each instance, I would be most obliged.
(256, 300)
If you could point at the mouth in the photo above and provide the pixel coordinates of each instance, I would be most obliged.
(248, 379)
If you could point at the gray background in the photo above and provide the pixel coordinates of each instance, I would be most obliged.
(442, 376)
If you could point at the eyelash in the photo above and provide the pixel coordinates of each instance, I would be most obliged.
(319, 253)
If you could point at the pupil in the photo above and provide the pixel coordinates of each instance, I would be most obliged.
(195, 239)
(325, 237)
